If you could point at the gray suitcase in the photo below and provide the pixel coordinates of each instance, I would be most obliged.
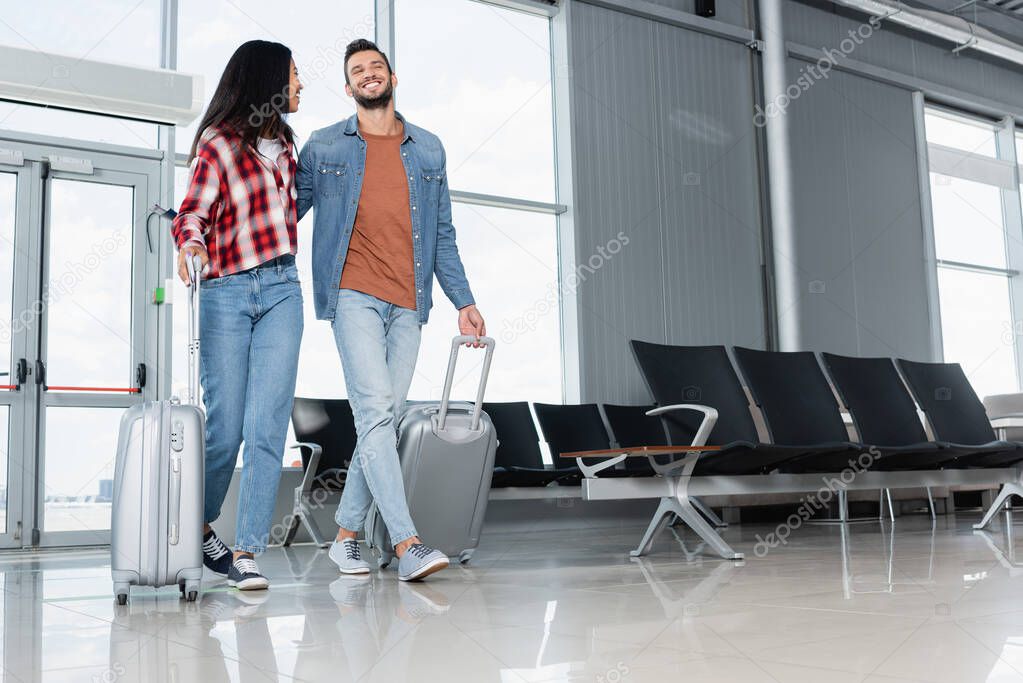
(447, 461)
(156, 520)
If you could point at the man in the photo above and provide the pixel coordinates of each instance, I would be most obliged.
(382, 229)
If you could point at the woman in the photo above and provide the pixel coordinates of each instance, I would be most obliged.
(239, 217)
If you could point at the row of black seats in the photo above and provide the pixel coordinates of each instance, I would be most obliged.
(795, 397)
(803, 417)
(329, 424)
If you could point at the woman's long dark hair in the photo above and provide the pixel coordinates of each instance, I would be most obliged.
(252, 96)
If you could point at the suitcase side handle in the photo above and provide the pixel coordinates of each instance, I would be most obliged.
(488, 344)
(174, 523)
(194, 266)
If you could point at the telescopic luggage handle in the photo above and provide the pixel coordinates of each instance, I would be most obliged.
(488, 344)
(194, 266)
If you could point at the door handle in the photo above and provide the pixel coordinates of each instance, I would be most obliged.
(41, 373)
(21, 373)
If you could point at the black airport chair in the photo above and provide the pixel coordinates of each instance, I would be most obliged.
(957, 417)
(569, 428)
(799, 407)
(632, 427)
(704, 375)
(518, 461)
(325, 430)
(884, 412)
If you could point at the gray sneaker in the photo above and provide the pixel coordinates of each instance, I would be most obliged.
(348, 558)
(419, 561)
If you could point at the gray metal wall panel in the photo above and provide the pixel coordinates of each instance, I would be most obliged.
(860, 240)
(648, 110)
(734, 12)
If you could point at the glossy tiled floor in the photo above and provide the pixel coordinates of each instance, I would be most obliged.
(554, 606)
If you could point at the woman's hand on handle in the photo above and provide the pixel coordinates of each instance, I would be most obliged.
(471, 322)
(188, 251)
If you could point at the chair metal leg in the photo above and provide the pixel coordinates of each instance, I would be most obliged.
(1000, 501)
(704, 530)
(930, 502)
(891, 507)
(314, 531)
(665, 513)
(709, 514)
(293, 523)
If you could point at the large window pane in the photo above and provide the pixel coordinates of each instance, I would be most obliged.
(209, 32)
(960, 132)
(88, 300)
(8, 326)
(511, 259)
(80, 447)
(479, 76)
(78, 126)
(976, 328)
(968, 223)
(5, 424)
(126, 31)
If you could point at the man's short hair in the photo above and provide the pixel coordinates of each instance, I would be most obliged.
(361, 45)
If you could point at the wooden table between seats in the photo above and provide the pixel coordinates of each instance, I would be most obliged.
(639, 450)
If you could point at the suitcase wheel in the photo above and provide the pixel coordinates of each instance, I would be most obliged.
(464, 557)
(384, 561)
(192, 595)
(122, 598)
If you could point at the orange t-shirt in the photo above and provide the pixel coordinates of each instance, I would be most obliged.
(379, 260)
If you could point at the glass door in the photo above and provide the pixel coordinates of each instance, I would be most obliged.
(84, 323)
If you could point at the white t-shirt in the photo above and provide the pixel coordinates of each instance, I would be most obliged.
(270, 148)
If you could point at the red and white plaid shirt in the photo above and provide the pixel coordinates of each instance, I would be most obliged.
(241, 205)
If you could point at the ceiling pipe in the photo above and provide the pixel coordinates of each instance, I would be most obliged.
(964, 34)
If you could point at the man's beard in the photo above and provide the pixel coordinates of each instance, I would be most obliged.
(379, 101)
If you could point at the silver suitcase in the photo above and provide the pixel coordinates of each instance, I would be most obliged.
(156, 522)
(447, 461)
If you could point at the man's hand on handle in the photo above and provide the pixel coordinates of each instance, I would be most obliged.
(188, 251)
(471, 322)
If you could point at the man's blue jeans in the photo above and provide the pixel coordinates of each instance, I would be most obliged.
(378, 343)
(251, 329)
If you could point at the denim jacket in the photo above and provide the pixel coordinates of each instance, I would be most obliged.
(331, 167)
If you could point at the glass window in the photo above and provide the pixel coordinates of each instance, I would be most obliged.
(970, 229)
(209, 33)
(493, 111)
(80, 447)
(960, 132)
(126, 31)
(90, 261)
(8, 327)
(76, 125)
(517, 293)
(976, 328)
(968, 222)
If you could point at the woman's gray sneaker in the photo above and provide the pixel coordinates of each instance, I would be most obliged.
(419, 561)
(348, 558)
(245, 576)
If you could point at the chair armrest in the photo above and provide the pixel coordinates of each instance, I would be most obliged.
(688, 463)
(710, 418)
(315, 453)
(590, 472)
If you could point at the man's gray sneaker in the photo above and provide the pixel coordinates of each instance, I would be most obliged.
(348, 558)
(419, 561)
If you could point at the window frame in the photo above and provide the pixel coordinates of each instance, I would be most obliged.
(1005, 173)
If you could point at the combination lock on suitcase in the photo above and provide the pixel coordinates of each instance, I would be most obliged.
(447, 461)
(156, 523)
